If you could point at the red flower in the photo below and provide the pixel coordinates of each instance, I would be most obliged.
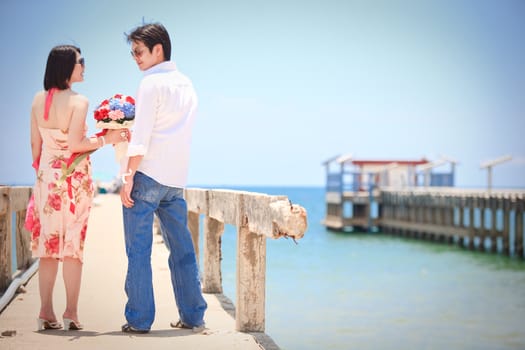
(54, 201)
(52, 244)
(101, 114)
(130, 100)
(118, 96)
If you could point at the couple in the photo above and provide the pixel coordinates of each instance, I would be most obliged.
(156, 173)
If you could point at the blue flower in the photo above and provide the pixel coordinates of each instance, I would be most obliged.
(129, 110)
(114, 104)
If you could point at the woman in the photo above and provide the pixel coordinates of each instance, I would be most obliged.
(63, 191)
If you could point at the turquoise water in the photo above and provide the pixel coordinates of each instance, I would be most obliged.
(375, 291)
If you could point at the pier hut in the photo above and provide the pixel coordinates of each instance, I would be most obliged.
(432, 173)
(353, 186)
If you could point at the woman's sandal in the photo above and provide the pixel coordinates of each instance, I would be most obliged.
(72, 325)
(44, 324)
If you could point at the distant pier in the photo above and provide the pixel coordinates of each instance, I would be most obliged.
(405, 198)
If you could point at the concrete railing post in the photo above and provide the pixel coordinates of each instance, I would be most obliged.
(212, 277)
(13, 204)
(257, 217)
(251, 277)
(5, 239)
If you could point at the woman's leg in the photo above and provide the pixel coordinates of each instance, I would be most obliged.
(47, 273)
(72, 272)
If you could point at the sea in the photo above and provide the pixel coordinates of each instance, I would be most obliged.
(334, 290)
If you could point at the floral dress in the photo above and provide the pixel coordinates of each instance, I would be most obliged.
(63, 195)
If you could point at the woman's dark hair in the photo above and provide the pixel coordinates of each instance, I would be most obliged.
(151, 35)
(60, 65)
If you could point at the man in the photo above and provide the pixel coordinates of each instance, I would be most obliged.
(154, 180)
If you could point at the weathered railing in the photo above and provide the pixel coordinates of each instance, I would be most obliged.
(13, 204)
(257, 217)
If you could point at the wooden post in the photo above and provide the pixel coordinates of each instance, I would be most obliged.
(449, 217)
(6, 271)
(494, 207)
(461, 218)
(212, 277)
(251, 276)
(472, 228)
(482, 227)
(507, 207)
(519, 228)
(428, 209)
(420, 211)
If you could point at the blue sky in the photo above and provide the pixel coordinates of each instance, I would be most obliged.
(285, 85)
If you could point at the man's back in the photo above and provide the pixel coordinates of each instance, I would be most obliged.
(166, 108)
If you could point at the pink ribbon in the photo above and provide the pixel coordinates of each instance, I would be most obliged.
(49, 99)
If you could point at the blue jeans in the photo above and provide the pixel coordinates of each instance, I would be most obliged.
(169, 205)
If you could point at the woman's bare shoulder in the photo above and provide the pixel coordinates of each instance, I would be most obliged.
(79, 100)
(37, 106)
(39, 97)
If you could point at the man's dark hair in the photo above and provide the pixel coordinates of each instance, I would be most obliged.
(151, 35)
(60, 65)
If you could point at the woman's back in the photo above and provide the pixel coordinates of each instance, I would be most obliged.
(64, 189)
(62, 105)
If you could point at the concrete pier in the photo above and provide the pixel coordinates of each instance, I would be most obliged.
(102, 301)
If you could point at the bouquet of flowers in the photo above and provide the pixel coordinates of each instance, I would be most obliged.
(117, 112)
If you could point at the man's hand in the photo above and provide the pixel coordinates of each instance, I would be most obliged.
(125, 191)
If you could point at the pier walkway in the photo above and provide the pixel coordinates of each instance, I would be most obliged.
(102, 300)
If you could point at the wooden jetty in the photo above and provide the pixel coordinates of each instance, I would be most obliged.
(475, 219)
(409, 198)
